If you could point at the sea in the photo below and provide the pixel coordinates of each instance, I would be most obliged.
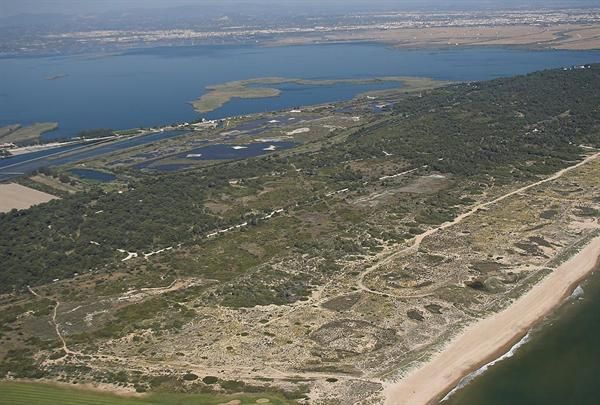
(154, 86)
(557, 363)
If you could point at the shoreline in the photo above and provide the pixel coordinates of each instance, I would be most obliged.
(500, 353)
(490, 338)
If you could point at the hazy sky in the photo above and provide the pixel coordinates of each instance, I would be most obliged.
(11, 7)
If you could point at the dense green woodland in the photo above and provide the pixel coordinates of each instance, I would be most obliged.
(506, 129)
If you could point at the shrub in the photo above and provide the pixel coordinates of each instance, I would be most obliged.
(209, 379)
(190, 377)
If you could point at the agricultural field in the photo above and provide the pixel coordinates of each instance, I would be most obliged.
(549, 36)
(16, 196)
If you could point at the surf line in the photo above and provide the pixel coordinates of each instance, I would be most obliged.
(470, 377)
(577, 294)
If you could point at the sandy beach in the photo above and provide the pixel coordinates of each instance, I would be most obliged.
(491, 337)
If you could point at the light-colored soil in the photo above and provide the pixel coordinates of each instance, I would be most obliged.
(15, 196)
(486, 338)
(54, 183)
(387, 258)
(581, 37)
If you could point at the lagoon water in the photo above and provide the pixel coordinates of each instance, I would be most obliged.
(28, 162)
(93, 175)
(225, 152)
(148, 87)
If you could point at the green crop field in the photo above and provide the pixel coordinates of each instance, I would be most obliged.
(17, 393)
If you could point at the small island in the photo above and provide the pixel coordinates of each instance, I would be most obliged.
(220, 94)
(57, 76)
(18, 134)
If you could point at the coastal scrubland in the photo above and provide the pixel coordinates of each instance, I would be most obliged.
(319, 273)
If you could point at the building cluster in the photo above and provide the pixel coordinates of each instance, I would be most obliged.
(349, 23)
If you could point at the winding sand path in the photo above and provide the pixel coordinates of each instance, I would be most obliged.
(66, 349)
(487, 339)
(419, 238)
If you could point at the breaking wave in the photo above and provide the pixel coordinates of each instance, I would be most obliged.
(470, 377)
(577, 293)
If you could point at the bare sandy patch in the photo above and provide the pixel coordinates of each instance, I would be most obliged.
(489, 338)
(16, 196)
(298, 131)
(426, 184)
(558, 36)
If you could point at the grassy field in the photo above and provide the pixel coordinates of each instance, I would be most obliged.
(54, 184)
(220, 94)
(8, 129)
(32, 133)
(19, 393)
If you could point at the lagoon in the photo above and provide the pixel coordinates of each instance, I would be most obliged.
(149, 87)
(93, 175)
(11, 167)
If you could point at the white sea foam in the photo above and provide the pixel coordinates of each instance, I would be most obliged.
(470, 377)
(577, 293)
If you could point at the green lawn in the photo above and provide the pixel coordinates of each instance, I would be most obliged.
(18, 393)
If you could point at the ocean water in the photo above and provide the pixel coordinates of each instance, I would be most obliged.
(148, 87)
(559, 364)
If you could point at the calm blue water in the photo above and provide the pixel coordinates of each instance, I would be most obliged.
(95, 175)
(154, 86)
(13, 161)
(219, 152)
(10, 167)
(224, 152)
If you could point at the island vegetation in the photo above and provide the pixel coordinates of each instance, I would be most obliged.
(219, 94)
(18, 134)
(57, 76)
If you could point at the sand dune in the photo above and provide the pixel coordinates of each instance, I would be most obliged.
(491, 337)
